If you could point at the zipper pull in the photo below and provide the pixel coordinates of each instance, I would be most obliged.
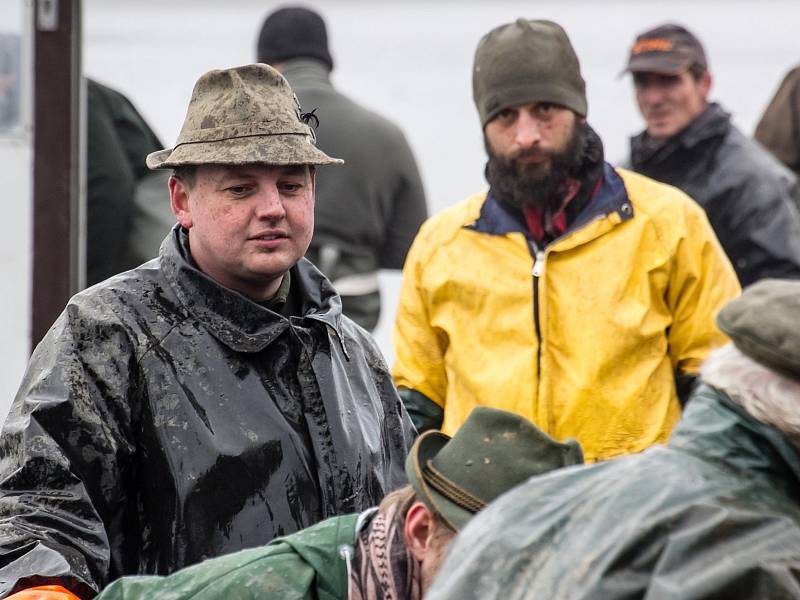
(538, 264)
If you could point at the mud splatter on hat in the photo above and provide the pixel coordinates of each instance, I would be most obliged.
(243, 115)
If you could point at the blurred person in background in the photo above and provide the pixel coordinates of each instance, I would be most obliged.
(127, 205)
(368, 211)
(691, 143)
(577, 295)
(779, 128)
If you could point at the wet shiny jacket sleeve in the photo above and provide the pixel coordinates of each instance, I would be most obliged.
(64, 448)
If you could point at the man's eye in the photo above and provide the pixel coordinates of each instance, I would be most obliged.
(292, 187)
(505, 114)
(238, 190)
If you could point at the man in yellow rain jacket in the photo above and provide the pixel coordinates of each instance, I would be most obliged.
(580, 296)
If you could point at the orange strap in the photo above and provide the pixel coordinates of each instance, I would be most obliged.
(44, 592)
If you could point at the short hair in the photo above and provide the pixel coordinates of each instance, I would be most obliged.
(697, 71)
(186, 173)
(404, 498)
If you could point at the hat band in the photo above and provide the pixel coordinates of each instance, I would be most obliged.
(450, 490)
(237, 137)
(218, 134)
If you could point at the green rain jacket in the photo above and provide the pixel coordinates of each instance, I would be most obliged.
(308, 565)
(716, 514)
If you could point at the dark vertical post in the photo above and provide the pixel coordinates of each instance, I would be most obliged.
(57, 258)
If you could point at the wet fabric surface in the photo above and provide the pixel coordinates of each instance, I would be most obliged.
(748, 196)
(712, 515)
(165, 419)
(307, 565)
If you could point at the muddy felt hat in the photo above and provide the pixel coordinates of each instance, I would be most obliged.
(239, 116)
(763, 324)
(493, 451)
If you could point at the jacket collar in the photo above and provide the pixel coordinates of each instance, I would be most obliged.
(711, 123)
(716, 428)
(611, 197)
(307, 71)
(231, 317)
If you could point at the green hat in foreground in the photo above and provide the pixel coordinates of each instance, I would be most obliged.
(763, 324)
(239, 116)
(493, 451)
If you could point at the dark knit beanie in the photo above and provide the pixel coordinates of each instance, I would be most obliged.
(293, 32)
(525, 62)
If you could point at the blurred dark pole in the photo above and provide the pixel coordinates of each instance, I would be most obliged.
(57, 260)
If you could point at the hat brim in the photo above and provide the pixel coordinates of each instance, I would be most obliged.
(661, 64)
(284, 149)
(426, 447)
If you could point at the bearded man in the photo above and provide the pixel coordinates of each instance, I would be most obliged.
(579, 296)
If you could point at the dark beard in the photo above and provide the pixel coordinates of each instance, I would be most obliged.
(520, 184)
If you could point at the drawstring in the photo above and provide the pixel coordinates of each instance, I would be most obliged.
(346, 552)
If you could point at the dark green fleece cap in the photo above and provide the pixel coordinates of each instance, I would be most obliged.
(525, 62)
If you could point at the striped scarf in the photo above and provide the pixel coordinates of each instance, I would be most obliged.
(383, 568)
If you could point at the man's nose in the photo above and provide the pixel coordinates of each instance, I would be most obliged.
(269, 204)
(528, 131)
(651, 93)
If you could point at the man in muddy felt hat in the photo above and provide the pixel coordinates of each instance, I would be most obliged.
(214, 398)
(392, 551)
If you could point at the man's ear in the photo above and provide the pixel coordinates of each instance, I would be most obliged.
(179, 202)
(705, 82)
(418, 530)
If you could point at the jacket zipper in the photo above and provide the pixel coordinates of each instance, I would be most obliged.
(538, 268)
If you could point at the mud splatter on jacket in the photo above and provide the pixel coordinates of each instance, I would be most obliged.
(165, 419)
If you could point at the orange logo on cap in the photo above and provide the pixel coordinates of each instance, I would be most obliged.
(651, 45)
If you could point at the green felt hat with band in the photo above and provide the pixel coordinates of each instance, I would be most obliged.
(762, 323)
(493, 451)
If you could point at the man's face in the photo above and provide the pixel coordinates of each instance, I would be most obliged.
(669, 103)
(531, 134)
(247, 224)
(532, 149)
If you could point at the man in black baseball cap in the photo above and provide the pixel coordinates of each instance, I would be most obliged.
(691, 143)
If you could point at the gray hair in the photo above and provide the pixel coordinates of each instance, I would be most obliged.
(766, 395)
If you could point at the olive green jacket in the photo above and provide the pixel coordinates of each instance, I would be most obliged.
(308, 565)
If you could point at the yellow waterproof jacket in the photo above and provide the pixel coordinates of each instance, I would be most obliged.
(584, 337)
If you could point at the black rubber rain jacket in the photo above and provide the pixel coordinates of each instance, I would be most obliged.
(716, 514)
(165, 419)
(747, 194)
